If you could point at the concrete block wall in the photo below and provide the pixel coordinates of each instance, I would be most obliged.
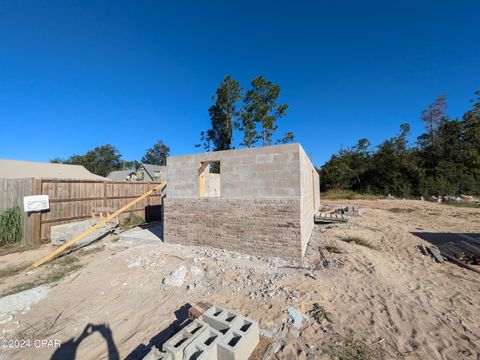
(266, 204)
(310, 197)
(60, 234)
(256, 227)
(271, 172)
(162, 174)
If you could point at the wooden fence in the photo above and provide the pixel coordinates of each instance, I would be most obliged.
(12, 192)
(73, 200)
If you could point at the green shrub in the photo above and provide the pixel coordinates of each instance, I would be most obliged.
(11, 226)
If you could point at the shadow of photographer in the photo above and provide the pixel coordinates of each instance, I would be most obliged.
(68, 349)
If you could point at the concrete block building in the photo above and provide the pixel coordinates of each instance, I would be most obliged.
(257, 201)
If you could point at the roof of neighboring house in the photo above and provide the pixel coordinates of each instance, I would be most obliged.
(15, 169)
(152, 169)
(119, 175)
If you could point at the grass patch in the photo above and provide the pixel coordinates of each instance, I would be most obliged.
(353, 348)
(16, 248)
(64, 266)
(338, 194)
(333, 249)
(472, 204)
(14, 270)
(397, 210)
(359, 241)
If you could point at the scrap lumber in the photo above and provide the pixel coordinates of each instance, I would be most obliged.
(458, 262)
(423, 249)
(330, 218)
(436, 254)
(77, 238)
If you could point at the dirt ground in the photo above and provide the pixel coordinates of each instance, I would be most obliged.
(392, 301)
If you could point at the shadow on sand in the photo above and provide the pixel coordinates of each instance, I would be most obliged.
(439, 238)
(158, 340)
(68, 350)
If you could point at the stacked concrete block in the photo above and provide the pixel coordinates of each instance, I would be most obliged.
(221, 334)
(241, 335)
(60, 234)
(204, 346)
(264, 172)
(155, 354)
(177, 344)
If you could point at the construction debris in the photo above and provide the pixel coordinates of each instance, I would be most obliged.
(330, 218)
(196, 311)
(217, 333)
(463, 253)
(350, 210)
(332, 215)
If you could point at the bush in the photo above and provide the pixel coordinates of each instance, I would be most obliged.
(11, 226)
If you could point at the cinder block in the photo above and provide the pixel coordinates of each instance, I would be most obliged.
(238, 344)
(204, 346)
(178, 342)
(219, 318)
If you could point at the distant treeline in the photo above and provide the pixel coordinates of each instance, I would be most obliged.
(445, 160)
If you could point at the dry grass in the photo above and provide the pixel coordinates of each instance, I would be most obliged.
(397, 210)
(60, 268)
(353, 348)
(319, 313)
(472, 204)
(16, 248)
(359, 241)
(333, 249)
(14, 270)
(339, 194)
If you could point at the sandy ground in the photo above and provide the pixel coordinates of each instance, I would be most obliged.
(398, 302)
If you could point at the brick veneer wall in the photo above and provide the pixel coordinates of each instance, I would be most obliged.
(256, 227)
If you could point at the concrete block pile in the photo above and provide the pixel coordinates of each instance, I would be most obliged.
(215, 333)
(60, 234)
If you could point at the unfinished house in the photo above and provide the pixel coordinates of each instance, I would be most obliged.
(257, 201)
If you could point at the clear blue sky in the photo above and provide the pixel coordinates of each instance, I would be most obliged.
(78, 74)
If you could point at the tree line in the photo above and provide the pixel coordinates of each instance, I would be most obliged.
(444, 160)
(106, 158)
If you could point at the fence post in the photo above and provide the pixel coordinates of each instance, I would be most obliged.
(104, 194)
(37, 219)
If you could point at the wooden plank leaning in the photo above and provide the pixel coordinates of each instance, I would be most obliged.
(68, 244)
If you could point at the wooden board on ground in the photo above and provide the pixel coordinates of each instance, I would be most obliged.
(436, 253)
(329, 218)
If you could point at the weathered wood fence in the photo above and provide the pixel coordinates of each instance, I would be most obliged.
(72, 200)
(12, 192)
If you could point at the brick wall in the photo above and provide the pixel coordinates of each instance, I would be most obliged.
(256, 227)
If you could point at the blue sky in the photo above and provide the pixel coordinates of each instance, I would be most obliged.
(78, 74)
